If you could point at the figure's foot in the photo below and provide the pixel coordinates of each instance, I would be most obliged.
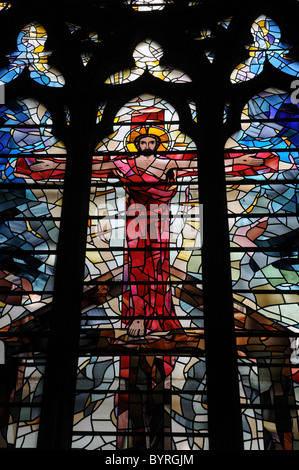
(137, 327)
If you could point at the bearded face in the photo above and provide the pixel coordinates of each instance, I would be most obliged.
(147, 145)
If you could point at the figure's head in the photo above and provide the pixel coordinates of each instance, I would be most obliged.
(147, 144)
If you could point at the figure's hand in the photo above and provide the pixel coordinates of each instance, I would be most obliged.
(43, 164)
(137, 327)
(250, 159)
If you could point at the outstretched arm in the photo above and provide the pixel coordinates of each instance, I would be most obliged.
(41, 168)
(47, 164)
(249, 159)
(43, 164)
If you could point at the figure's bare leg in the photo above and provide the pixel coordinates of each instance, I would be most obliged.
(137, 327)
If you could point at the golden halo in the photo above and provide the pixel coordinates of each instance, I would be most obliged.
(147, 130)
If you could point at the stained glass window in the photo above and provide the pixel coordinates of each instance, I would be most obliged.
(149, 227)
(143, 264)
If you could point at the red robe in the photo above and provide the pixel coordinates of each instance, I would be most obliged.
(147, 269)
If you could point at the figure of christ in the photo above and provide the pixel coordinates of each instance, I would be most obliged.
(148, 178)
(147, 304)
